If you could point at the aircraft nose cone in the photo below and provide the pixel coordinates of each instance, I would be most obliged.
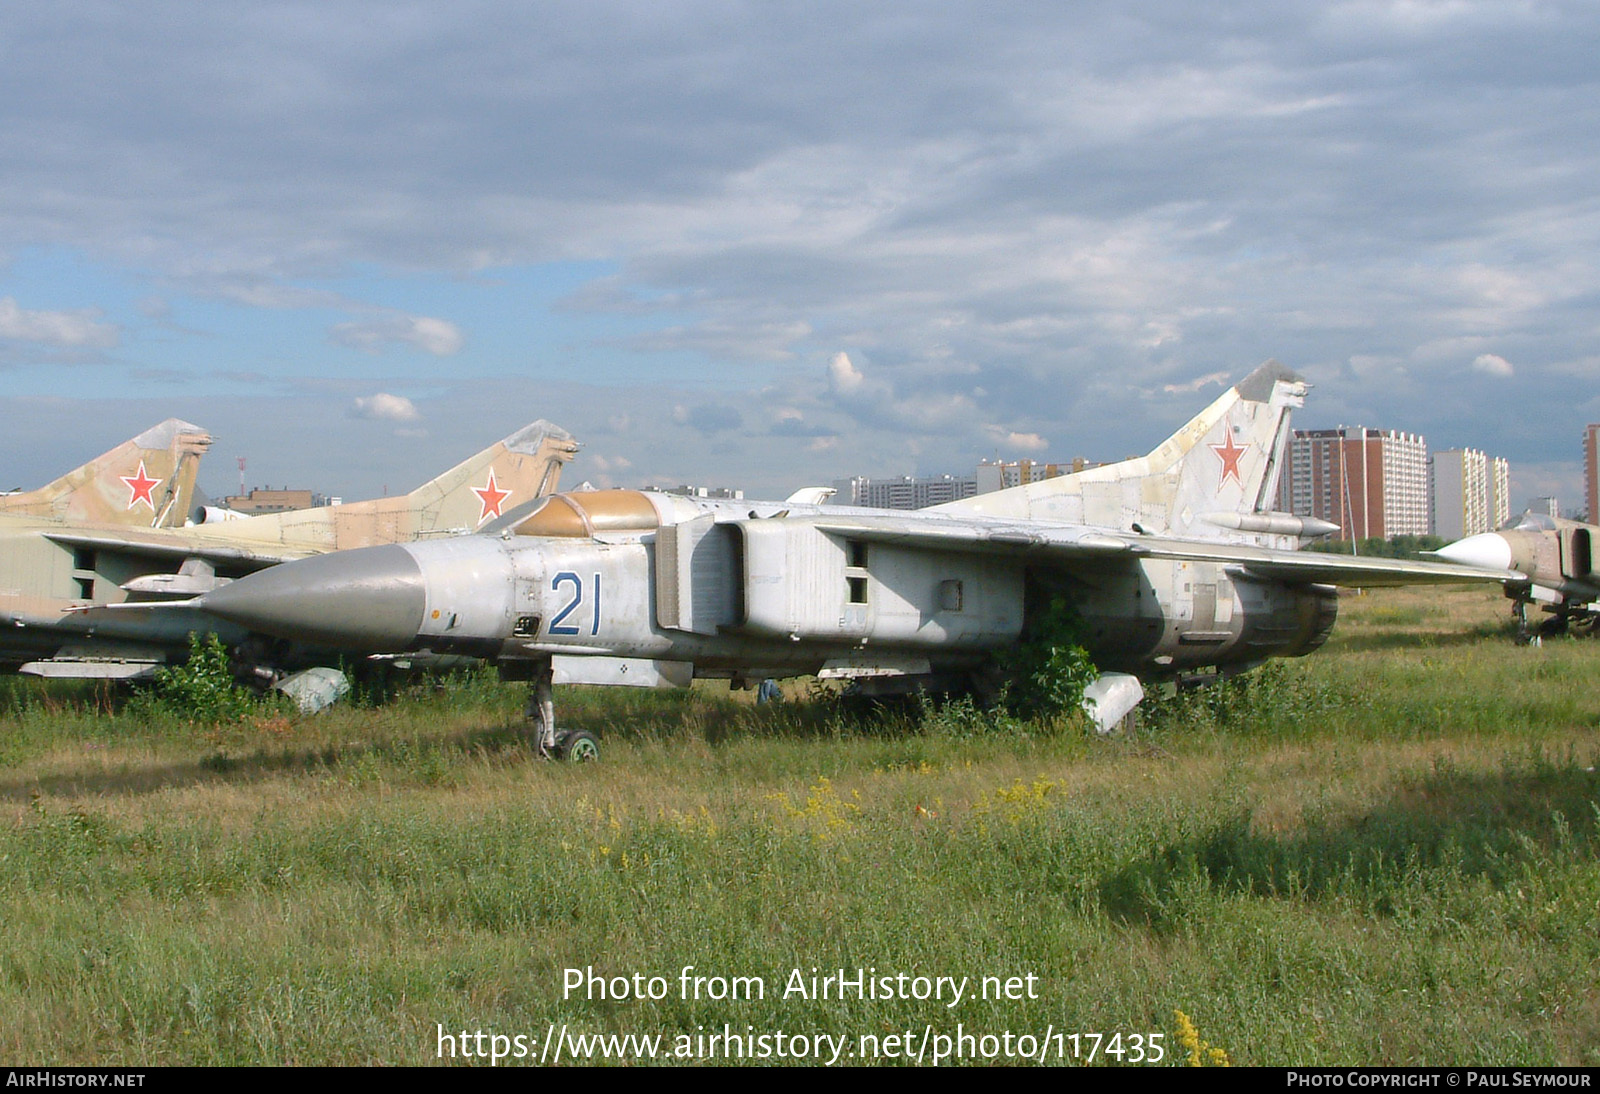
(369, 599)
(1489, 550)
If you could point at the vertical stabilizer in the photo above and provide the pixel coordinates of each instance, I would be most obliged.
(147, 482)
(498, 488)
(1225, 460)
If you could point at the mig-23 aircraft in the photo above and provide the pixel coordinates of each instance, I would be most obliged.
(1556, 558)
(1174, 561)
(59, 577)
(147, 482)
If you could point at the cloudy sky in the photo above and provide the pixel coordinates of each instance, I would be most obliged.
(771, 244)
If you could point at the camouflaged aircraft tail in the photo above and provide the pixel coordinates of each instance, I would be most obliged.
(500, 486)
(495, 489)
(147, 482)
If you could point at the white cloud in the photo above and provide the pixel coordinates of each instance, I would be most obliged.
(1195, 385)
(607, 471)
(843, 377)
(1492, 364)
(81, 328)
(257, 290)
(1010, 438)
(613, 463)
(439, 337)
(384, 407)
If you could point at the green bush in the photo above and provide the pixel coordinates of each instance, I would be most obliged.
(1048, 670)
(201, 689)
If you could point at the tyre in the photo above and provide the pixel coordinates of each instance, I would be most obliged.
(579, 747)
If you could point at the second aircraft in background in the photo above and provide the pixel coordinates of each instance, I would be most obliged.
(1556, 561)
(72, 549)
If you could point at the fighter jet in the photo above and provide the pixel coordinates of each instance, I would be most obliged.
(60, 578)
(147, 482)
(1174, 561)
(1556, 558)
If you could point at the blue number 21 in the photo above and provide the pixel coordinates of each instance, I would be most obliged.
(558, 624)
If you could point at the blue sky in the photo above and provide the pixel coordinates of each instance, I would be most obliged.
(1029, 229)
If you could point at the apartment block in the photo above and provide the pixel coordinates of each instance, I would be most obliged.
(1004, 474)
(1471, 492)
(904, 492)
(1591, 472)
(1370, 482)
(1499, 493)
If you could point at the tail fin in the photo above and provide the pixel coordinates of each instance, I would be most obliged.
(498, 488)
(1224, 463)
(147, 482)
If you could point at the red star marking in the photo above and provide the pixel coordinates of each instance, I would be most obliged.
(1229, 454)
(492, 497)
(139, 487)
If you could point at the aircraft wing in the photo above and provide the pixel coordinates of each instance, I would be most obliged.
(991, 537)
(1317, 568)
(133, 543)
(1069, 543)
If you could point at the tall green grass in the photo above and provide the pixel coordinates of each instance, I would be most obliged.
(1386, 853)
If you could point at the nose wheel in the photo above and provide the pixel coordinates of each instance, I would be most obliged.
(577, 746)
(573, 745)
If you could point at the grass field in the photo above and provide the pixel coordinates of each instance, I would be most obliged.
(1386, 853)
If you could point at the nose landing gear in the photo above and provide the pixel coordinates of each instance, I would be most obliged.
(572, 745)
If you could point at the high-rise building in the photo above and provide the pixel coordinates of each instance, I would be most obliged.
(1591, 472)
(1370, 482)
(1499, 493)
(1004, 474)
(903, 492)
(1460, 493)
(1471, 492)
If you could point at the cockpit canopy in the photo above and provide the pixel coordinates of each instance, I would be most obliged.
(583, 513)
(1530, 522)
